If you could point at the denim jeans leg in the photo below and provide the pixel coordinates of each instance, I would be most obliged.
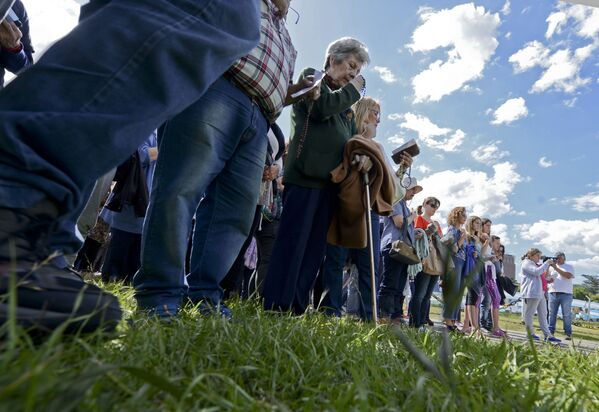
(72, 116)
(224, 217)
(389, 285)
(566, 303)
(554, 304)
(417, 306)
(452, 296)
(194, 150)
(332, 279)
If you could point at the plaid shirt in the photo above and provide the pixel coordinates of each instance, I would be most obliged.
(265, 73)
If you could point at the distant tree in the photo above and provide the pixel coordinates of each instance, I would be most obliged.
(580, 292)
(591, 284)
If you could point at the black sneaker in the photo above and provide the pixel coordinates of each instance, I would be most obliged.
(568, 337)
(48, 297)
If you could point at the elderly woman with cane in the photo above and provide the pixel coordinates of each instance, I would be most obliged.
(368, 115)
(320, 130)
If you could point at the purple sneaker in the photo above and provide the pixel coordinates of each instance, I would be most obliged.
(552, 339)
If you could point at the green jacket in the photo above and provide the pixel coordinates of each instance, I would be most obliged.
(329, 127)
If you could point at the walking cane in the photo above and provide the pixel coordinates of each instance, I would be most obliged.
(370, 250)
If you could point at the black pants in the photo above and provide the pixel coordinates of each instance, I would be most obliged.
(122, 257)
(266, 241)
(299, 248)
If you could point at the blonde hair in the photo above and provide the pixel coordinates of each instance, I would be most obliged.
(453, 218)
(472, 234)
(531, 252)
(362, 108)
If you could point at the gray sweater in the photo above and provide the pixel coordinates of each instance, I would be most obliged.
(532, 286)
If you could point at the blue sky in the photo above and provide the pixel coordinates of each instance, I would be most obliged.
(501, 96)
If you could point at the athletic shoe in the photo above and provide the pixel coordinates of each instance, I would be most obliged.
(535, 337)
(568, 337)
(221, 310)
(48, 297)
(552, 339)
(498, 334)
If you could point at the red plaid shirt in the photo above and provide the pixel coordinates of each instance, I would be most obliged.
(265, 73)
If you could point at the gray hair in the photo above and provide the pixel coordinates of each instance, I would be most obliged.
(344, 47)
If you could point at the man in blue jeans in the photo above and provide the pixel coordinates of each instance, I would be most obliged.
(216, 147)
(560, 293)
(81, 110)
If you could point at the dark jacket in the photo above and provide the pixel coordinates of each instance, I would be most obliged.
(15, 62)
(330, 126)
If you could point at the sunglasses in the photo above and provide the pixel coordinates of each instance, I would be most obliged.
(434, 205)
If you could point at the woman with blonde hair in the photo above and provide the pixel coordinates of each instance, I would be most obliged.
(473, 269)
(532, 293)
(367, 113)
(452, 282)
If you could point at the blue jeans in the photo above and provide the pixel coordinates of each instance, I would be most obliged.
(94, 96)
(332, 276)
(565, 301)
(423, 289)
(216, 147)
(452, 296)
(393, 282)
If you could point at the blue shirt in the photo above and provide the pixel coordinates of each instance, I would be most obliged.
(455, 234)
(391, 233)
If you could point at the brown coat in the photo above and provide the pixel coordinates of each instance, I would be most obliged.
(348, 227)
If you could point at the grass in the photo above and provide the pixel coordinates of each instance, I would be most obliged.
(263, 361)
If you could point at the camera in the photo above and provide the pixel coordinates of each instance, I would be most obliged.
(546, 258)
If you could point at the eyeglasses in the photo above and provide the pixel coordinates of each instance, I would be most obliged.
(434, 205)
(298, 15)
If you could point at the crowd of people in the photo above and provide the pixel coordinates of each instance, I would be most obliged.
(215, 202)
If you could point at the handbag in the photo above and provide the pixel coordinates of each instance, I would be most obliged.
(433, 264)
(403, 252)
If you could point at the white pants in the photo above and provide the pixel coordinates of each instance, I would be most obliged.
(540, 307)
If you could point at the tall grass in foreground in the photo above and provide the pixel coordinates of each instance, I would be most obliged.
(263, 361)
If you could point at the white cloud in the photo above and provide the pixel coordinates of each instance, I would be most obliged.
(587, 203)
(470, 34)
(510, 111)
(532, 54)
(469, 89)
(545, 163)
(508, 35)
(385, 74)
(586, 20)
(489, 153)
(506, 9)
(587, 266)
(501, 230)
(571, 236)
(561, 68)
(570, 102)
(482, 194)
(397, 139)
(424, 169)
(433, 136)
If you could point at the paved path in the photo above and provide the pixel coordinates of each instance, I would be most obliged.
(520, 336)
